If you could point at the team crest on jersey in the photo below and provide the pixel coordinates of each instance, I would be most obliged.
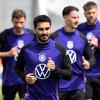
(42, 57)
(70, 44)
(20, 43)
(42, 71)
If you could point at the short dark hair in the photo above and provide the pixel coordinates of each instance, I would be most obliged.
(68, 9)
(18, 13)
(41, 18)
(89, 5)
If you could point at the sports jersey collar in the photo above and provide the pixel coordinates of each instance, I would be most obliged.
(43, 46)
(68, 33)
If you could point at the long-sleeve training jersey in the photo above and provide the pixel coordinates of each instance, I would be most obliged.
(94, 71)
(77, 46)
(33, 59)
(8, 40)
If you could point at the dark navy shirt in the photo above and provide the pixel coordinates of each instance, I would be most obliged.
(33, 58)
(94, 71)
(8, 40)
(77, 46)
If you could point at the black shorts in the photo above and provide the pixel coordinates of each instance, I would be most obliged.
(72, 95)
(9, 92)
(92, 90)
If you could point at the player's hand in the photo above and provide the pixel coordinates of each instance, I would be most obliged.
(85, 63)
(13, 51)
(51, 64)
(30, 78)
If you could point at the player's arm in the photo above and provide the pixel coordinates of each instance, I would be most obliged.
(65, 72)
(88, 52)
(97, 47)
(20, 64)
(3, 53)
(10, 53)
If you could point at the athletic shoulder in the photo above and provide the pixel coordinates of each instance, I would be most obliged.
(82, 36)
(81, 26)
(60, 48)
(56, 33)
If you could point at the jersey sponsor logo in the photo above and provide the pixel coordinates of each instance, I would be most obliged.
(42, 71)
(72, 55)
(42, 57)
(70, 44)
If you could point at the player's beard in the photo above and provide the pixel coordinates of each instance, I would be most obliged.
(43, 38)
(91, 21)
